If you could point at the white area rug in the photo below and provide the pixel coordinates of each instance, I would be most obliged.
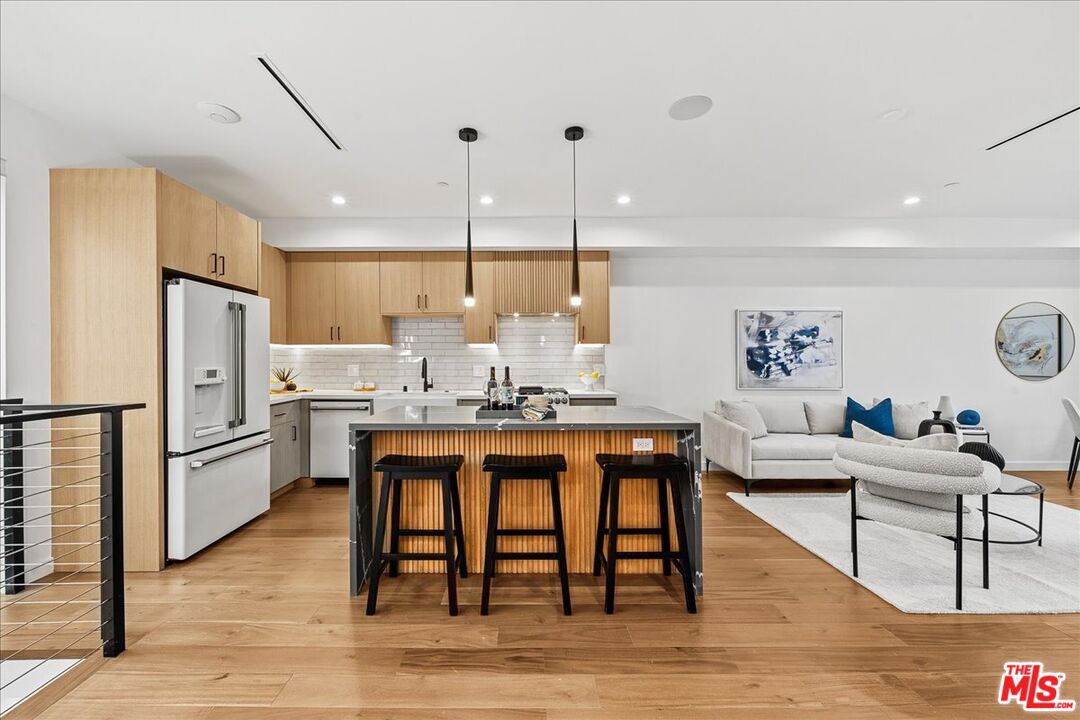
(916, 572)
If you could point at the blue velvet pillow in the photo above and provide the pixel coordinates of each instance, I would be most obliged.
(877, 418)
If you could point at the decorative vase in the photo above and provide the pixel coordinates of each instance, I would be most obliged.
(945, 407)
(290, 386)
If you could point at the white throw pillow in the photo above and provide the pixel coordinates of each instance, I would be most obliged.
(907, 416)
(938, 441)
(861, 433)
(744, 414)
(783, 416)
(825, 417)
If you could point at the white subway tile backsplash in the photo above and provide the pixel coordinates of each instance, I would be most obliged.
(539, 350)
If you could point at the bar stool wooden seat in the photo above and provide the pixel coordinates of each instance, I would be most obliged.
(666, 469)
(395, 469)
(524, 467)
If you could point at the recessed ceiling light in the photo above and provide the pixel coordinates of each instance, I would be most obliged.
(690, 107)
(337, 199)
(623, 199)
(951, 184)
(218, 113)
(894, 115)
(486, 200)
(912, 200)
(443, 184)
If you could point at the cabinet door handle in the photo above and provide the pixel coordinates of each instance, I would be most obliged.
(418, 306)
(213, 263)
(425, 301)
(294, 433)
(331, 333)
(491, 334)
(582, 334)
(222, 273)
(339, 333)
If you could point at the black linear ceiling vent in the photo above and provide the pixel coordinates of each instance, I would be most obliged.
(1025, 132)
(297, 98)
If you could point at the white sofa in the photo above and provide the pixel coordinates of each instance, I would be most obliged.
(798, 440)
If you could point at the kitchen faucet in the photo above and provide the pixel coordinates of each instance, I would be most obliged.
(428, 384)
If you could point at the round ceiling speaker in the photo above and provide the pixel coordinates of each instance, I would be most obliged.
(218, 113)
(690, 107)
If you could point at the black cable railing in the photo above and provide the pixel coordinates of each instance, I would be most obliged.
(61, 534)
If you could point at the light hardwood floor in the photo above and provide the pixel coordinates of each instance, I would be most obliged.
(260, 626)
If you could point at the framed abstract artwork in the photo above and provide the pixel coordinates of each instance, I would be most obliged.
(790, 349)
(1029, 342)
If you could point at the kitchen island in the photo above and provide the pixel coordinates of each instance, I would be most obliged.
(578, 433)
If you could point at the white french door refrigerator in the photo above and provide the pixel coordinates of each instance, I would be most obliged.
(217, 356)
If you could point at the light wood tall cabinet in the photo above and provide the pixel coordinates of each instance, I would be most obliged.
(481, 323)
(334, 298)
(114, 233)
(274, 286)
(419, 283)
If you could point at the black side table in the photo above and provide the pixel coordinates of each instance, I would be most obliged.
(926, 425)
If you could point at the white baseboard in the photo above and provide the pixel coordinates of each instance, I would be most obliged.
(1035, 465)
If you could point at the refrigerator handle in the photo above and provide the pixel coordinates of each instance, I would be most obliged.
(239, 311)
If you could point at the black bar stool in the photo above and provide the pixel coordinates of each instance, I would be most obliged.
(524, 467)
(394, 469)
(666, 469)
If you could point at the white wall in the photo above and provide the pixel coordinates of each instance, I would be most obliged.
(30, 144)
(914, 329)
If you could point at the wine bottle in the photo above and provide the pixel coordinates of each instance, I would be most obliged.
(506, 391)
(491, 390)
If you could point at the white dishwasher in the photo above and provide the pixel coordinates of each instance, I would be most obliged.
(330, 435)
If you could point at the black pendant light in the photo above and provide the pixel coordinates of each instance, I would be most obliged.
(468, 136)
(573, 134)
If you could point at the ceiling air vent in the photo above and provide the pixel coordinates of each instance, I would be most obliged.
(1025, 132)
(297, 98)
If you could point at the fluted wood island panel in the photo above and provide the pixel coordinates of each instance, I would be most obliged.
(578, 434)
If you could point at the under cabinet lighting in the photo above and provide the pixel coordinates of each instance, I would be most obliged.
(359, 346)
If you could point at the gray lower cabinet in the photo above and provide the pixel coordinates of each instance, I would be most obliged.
(285, 453)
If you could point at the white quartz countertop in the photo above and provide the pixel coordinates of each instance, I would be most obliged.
(277, 398)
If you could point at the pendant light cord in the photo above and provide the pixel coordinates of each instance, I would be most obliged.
(468, 181)
(573, 147)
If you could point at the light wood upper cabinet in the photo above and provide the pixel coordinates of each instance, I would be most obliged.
(444, 283)
(593, 325)
(237, 248)
(186, 228)
(480, 320)
(201, 237)
(274, 286)
(402, 283)
(359, 320)
(312, 295)
(534, 282)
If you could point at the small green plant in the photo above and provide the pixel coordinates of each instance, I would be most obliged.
(284, 375)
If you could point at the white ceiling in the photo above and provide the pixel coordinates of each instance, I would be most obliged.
(794, 132)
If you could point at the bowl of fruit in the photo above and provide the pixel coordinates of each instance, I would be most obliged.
(590, 379)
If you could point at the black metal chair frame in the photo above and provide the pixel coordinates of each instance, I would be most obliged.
(1074, 462)
(541, 471)
(613, 474)
(957, 540)
(452, 530)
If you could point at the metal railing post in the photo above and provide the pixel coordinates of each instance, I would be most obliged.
(112, 533)
(14, 578)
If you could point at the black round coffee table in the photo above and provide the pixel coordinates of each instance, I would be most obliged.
(1012, 485)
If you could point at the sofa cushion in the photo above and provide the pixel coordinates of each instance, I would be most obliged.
(907, 416)
(743, 414)
(825, 417)
(783, 416)
(793, 446)
(877, 418)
